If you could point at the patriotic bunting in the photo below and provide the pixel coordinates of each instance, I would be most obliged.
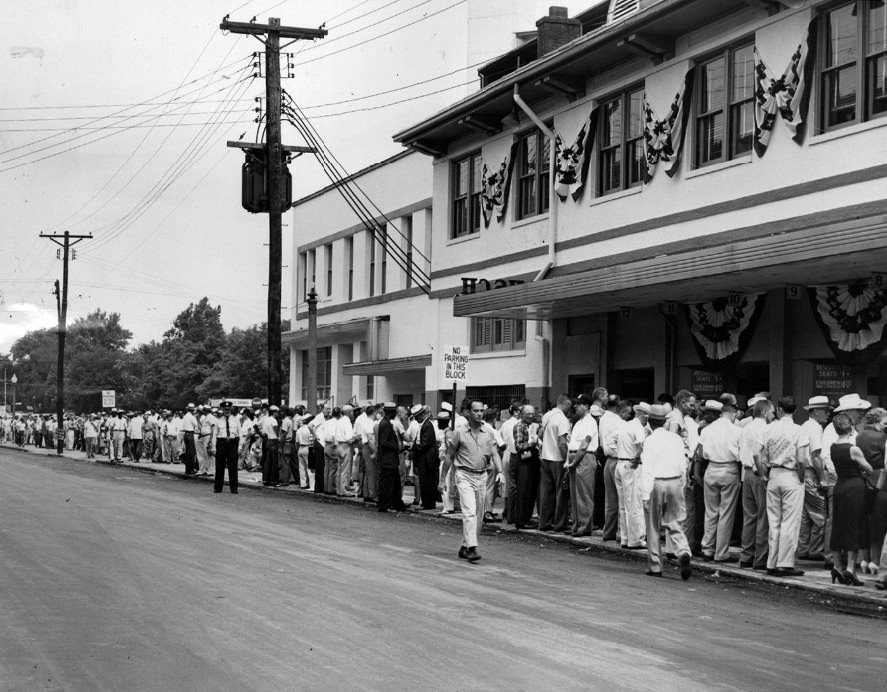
(664, 139)
(722, 328)
(853, 319)
(787, 95)
(495, 187)
(571, 164)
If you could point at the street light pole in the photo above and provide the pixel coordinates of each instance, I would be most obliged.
(13, 379)
(311, 389)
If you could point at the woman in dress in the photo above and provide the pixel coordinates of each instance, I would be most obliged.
(871, 440)
(849, 518)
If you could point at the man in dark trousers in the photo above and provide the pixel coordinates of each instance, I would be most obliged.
(227, 437)
(388, 462)
(426, 459)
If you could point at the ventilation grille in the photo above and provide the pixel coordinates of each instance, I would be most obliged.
(620, 9)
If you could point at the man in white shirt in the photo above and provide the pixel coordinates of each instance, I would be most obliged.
(554, 498)
(611, 420)
(507, 433)
(344, 436)
(304, 445)
(226, 445)
(316, 426)
(719, 445)
(288, 464)
(190, 428)
(628, 442)
(136, 435)
(582, 465)
(662, 477)
(118, 425)
(755, 527)
(330, 455)
(270, 428)
(811, 543)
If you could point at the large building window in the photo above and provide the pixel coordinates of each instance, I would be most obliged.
(328, 258)
(371, 241)
(494, 334)
(725, 125)
(533, 173)
(467, 185)
(349, 251)
(854, 66)
(303, 270)
(622, 143)
(324, 374)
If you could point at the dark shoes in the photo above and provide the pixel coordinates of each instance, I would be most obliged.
(686, 570)
(490, 518)
(790, 572)
(746, 565)
(469, 554)
(651, 573)
(732, 559)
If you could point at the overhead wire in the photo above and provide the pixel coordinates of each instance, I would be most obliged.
(342, 184)
(296, 109)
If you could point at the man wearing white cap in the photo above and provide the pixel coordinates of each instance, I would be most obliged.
(811, 545)
(719, 446)
(755, 527)
(629, 443)
(660, 488)
(854, 406)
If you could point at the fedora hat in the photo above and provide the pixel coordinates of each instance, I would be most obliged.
(852, 402)
(659, 412)
(817, 402)
(642, 407)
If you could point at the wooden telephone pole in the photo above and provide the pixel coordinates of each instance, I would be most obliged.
(65, 242)
(274, 150)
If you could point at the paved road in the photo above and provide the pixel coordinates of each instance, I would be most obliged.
(112, 579)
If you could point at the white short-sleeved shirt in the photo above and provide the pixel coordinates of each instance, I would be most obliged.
(555, 425)
(584, 427)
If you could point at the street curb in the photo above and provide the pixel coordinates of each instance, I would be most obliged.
(827, 592)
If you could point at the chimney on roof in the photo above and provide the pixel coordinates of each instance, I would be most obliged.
(556, 30)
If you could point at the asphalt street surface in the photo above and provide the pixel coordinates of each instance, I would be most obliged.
(114, 579)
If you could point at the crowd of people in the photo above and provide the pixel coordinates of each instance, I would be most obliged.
(706, 475)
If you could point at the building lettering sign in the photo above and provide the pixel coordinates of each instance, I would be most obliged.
(473, 284)
(832, 380)
(455, 364)
(109, 398)
(707, 384)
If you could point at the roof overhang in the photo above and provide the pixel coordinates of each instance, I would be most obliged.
(650, 29)
(329, 334)
(831, 253)
(388, 365)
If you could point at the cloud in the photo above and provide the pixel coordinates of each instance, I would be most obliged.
(20, 318)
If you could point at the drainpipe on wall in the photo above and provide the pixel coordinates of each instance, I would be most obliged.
(552, 203)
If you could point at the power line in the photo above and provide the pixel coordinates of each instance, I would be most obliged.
(376, 38)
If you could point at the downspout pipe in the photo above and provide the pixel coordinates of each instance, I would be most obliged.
(552, 201)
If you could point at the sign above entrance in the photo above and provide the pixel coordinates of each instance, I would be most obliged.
(707, 384)
(455, 364)
(832, 380)
(472, 284)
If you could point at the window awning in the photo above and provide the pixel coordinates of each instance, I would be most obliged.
(388, 365)
(837, 252)
(329, 334)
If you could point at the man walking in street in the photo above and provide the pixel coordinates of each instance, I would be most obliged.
(472, 451)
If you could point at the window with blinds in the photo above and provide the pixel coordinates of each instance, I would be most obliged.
(495, 334)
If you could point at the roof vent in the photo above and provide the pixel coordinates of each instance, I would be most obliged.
(620, 9)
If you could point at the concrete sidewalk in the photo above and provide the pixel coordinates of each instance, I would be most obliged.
(816, 579)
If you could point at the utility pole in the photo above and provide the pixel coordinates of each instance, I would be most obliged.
(65, 242)
(274, 149)
(311, 388)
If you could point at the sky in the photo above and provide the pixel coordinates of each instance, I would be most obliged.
(113, 122)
